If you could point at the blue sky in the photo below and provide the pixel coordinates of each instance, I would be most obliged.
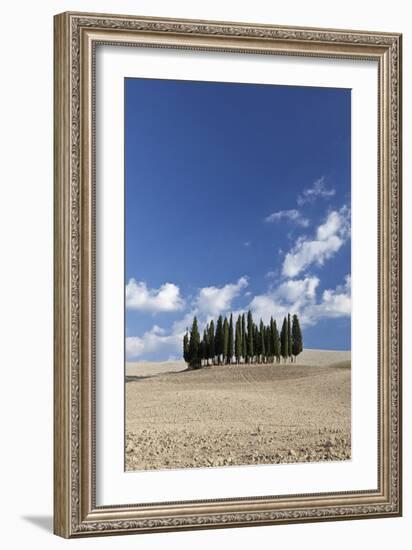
(237, 197)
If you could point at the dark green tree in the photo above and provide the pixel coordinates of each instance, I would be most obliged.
(212, 349)
(244, 339)
(297, 343)
(289, 338)
(201, 352)
(238, 340)
(231, 340)
(268, 344)
(206, 345)
(194, 344)
(256, 344)
(271, 337)
(250, 336)
(284, 340)
(219, 339)
(271, 344)
(225, 353)
(276, 342)
(186, 347)
(262, 342)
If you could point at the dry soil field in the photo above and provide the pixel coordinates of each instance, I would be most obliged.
(238, 414)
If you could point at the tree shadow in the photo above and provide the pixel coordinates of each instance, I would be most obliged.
(135, 378)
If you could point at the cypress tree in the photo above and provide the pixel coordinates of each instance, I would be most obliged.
(268, 344)
(206, 345)
(284, 339)
(194, 344)
(219, 339)
(231, 340)
(276, 343)
(289, 338)
(262, 338)
(201, 352)
(186, 347)
(271, 337)
(238, 340)
(244, 339)
(250, 336)
(212, 350)
(256, 343)
(225, 352)
(297, 343)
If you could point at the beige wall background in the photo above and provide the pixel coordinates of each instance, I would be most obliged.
(26, 270)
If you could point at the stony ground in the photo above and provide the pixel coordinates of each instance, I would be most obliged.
(237, 415)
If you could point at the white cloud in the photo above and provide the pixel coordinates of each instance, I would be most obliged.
(307, 252)
(158, 330)
(336, 223)
(208, 304)
(297, 289)
(134, 346)
(318, 189)
(265, 306)
(247, 244)
(291, 215)
(291, 296)
(300, 296)
(334, 303)
(154, 341)
(330, 237)
(213, 300)
(165, 298)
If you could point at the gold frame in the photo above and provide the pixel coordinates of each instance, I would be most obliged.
(75, 38)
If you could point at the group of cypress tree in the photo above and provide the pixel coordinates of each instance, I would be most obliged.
(245, 342)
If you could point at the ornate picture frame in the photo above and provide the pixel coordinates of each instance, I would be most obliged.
(76, 511)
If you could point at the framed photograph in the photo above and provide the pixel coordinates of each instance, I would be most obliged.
(227, 274)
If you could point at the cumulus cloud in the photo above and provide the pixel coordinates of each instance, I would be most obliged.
(207, 305)
(154, 341)
(318, 189)
(334, 303)
(142, 298)
(297, 289)
(134, 347)
(291, 215)
(212, 300)
(329, 238)
(265, 306)
(290, 296)
(337, 223)
(300, 296)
